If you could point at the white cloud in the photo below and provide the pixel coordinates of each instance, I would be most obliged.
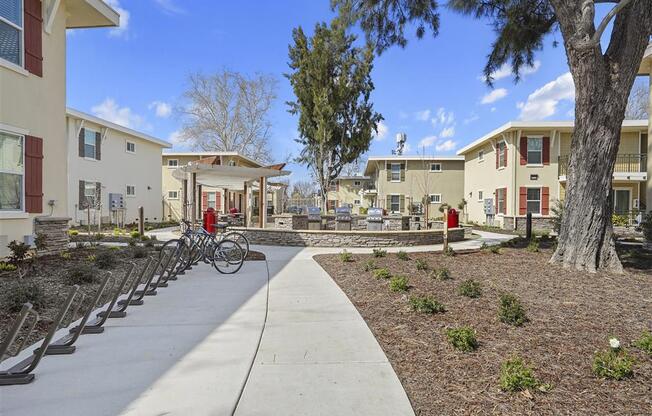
(161, 108)
(109, 110)
(382, 131)
(494, 96)
(175, 137)
(473, 117)
(448, 132)
(506, 70)
(124, 19)
(446, 146)
(443, 117)
(422, 115)
(170, 7)
(543, 102)
(428, 141)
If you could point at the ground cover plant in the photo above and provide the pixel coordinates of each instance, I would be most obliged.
(462, 338)
(426, 304)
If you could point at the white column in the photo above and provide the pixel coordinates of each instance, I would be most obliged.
(648, 196)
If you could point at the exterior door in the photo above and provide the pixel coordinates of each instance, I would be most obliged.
(622, 198)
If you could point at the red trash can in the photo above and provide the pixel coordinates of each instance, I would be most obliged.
(453, 218)
(209, 220)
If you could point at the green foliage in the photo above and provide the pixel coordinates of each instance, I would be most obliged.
(21, 292)
(81, 274)
(511, 311)
(644, 343)
(443, 207)
(382, 273)
(462, 338)
(66, 255)
(515, 375)
(98, 236)
(363, 210)
(117, 232)
(91, 257)
(470, 288)
(105, 259)
(73, 233)
(533, 247)
(399, 284)
(619, 220)
(646, 226)
(132, 242)
(449, 252)
(18, 252)
(114, 248)
(7, 267)
(379, 252)
(139, 252)
(495, 249)
(144, 238)
(426, 304)
(370, 265)
(40, 241)
(462, 204)
(402, 255)
(346, 257)
(134, 234)
(421, 264)
(615, 364)
(441, 273)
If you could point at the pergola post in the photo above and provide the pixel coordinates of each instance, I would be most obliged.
(184, 202)
(262, 199)
(200, 208)
(244, 205)
(193, 209)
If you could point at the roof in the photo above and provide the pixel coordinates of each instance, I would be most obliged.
(646, 64)
(558, 125)
(90, 13)
(208, 154)
(223, 176)
(354, 177)
(408, 158)
(125, 130)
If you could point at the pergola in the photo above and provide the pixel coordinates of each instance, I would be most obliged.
(208, 172)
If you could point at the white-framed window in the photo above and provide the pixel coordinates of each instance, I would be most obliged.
(502, 154)
(11, 32)
(212, 200)
(534, 200)
(435, 198)
(501, 203)
(12, 172)
(481, 156)
(131, 147)
(357, 183)
(395, 203)
(90, 193)
(131, 190)
(173, 194)
(534, 150)
(396, 172)
(231, 162)
(90, 144)
(173, 163)
(435, 167)
(356, 202)
(480, 196)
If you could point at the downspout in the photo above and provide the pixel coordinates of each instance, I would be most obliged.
(514, 207)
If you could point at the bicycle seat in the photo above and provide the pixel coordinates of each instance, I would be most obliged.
(221, 225)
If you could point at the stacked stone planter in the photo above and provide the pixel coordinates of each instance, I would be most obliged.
(55, 230)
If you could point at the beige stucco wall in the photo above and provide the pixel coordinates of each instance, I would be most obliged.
(38, 105)
(349, 193)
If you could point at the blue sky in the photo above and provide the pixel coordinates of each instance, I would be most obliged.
(432, 91)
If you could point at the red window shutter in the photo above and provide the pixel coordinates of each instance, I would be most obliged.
(522, 201)
(496, 201)
(204, 200)
(546, 151)
(218, 201)
(505, 204)
(33, 174)
(545, 200)
(497, 155)
(337, 186)
(33, 22)
(505, 149)
(523, 150)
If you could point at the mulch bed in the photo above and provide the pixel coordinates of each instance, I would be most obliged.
(572, 315)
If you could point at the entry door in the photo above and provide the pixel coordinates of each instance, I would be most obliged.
(622, 197)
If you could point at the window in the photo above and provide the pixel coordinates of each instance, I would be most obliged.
(356, 202)
(502, 154)
(534, 200)
(212, 200)
(11, 31)
(435, 198)
(481, 156)
(131, 147)
(395, 203)
(396, 172)
(173, 163)
(90, 144)
(501, 204)
(480, 196)
(173, 194)
(231, 163)
(12, 171)
(435, 167)
(534, 150)
(131, 190)
(90, 191)
(356, 183)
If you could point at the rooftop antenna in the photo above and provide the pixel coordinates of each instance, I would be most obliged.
(401, 138)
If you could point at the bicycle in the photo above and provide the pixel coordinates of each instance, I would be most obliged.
(225, 255)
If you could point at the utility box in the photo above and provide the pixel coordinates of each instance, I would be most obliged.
(116, 202)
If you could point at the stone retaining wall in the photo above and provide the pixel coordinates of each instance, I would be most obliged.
(55, 230)
(538, 223)
(325, 238)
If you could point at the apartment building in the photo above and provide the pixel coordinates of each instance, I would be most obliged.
(349, 191)
(521, 168)
(33, 151)
(414, 184)
(112, 171)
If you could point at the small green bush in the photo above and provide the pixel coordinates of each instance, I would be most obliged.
(382, 273)
(370, 265)
(135, 234)
(511, 311)
(66, 255)
(81, 274)
(117, 231)
(98, 236)
(494, 248)
(133, 242)
(144, 238)
(21, 292)
(402, 255)
(73, 233)
(18, 252)
(449, 252)
(114, 248)
(91, 257)
(470, 288)
(515, 375)
(426, 304)
(441, 273)
(346, 257)
(399, 284)
(7, 267)
(462, 338)
(615, 364)
(139, 252)
(644, 343)
(533, 247)
(379, 252)
(105, 259)
(421, 265)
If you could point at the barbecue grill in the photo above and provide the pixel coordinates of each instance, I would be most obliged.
(314, 218)
(374, 219)
(343, 218)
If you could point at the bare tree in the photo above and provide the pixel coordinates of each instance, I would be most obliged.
(354, 168)
(638, 102)
(229, 111)
(303, 189)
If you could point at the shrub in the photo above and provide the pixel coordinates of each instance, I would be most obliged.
(7, 267)
(66, 255)
(399, 284)
(382, 273)
(470, 288)
(144, 238)
(511, 311)
(98, 236)
(105, 259)
(449, 252)
(402, 255)
(18, 252)
(370, 265)
(441, 273)
(22, 292)
(533, 247)
(644, 343)
(73, 233)
(135, 234)
(91, 257)
(114, 248)
(619, 220)
(615, 364)
(117, 231)
(139, 252)
(133, 242)
(346, 257)
(421, 264)
(462, 338)
(81, 274)
(426, 304)
(379, 252)
(515, 375)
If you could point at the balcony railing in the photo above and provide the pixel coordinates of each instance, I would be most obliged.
(625, 163)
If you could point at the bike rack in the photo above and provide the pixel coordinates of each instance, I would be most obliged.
(138, 295)
(21, 373)
(123, 304)
(83, 327)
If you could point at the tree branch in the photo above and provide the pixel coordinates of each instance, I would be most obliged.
(605, 21)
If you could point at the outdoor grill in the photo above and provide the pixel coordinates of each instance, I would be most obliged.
(343, 218)
(314, 218)
(374, 219)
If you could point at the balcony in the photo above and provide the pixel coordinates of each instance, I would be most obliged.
(628, 166)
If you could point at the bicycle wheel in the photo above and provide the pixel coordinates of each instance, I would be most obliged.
(239, 238)
(228, 257)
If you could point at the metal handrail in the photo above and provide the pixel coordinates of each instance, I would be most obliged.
(625, 163)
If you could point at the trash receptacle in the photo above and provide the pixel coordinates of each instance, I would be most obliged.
(209, 220)
(453, 218)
